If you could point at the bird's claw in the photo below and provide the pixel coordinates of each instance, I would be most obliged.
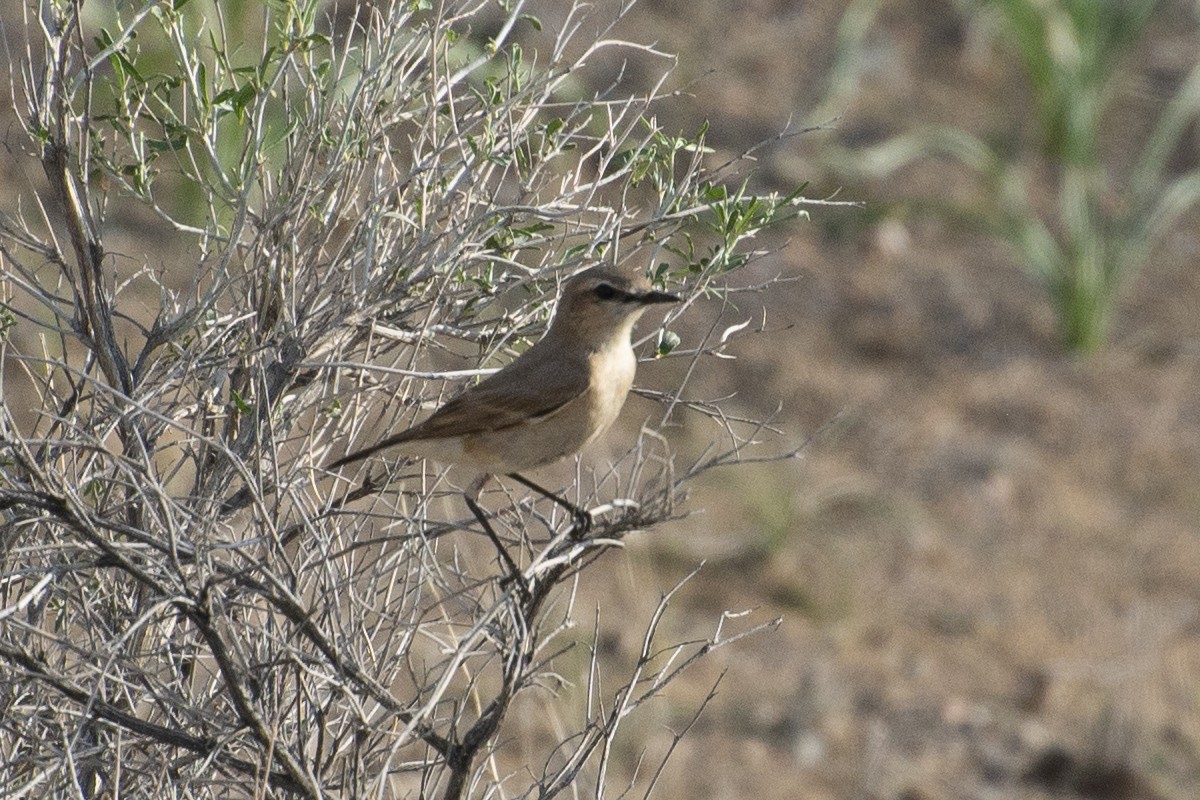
(581, 523)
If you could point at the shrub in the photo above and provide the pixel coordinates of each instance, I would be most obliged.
(189, 605)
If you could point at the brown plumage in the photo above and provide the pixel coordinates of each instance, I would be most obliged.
(558, 396)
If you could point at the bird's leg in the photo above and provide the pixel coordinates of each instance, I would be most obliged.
(514, 573)
(581, 517)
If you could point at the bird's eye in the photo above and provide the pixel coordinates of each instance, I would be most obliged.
(605, 292)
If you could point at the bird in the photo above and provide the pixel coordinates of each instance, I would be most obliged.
(557, 397)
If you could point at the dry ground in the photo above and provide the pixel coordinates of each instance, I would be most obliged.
(989, 568)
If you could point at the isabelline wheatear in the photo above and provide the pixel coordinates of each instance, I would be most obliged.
(558, 396)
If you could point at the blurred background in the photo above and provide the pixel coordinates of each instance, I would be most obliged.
(987, 558)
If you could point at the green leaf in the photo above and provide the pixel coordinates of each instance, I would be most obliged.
(238, 403)
(667, 341)
(175, 140)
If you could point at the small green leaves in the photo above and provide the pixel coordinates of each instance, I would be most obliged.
(235, 99)
(667, 341)
(511, 239)
(175, 139)
(239, 403)
(8, 320)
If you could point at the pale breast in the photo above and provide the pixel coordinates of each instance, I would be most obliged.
(612, 377)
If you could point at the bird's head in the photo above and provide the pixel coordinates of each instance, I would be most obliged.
(603, 302)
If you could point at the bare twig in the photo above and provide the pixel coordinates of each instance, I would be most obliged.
(356, 219)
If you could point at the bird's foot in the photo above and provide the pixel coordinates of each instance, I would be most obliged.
(581, 519)
(581, 522)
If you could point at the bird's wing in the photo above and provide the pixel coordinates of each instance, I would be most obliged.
(516, 395)
(529, 389)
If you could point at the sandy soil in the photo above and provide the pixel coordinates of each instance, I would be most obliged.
(988, 566)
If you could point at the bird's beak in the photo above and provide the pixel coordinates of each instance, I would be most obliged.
(650, 298)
